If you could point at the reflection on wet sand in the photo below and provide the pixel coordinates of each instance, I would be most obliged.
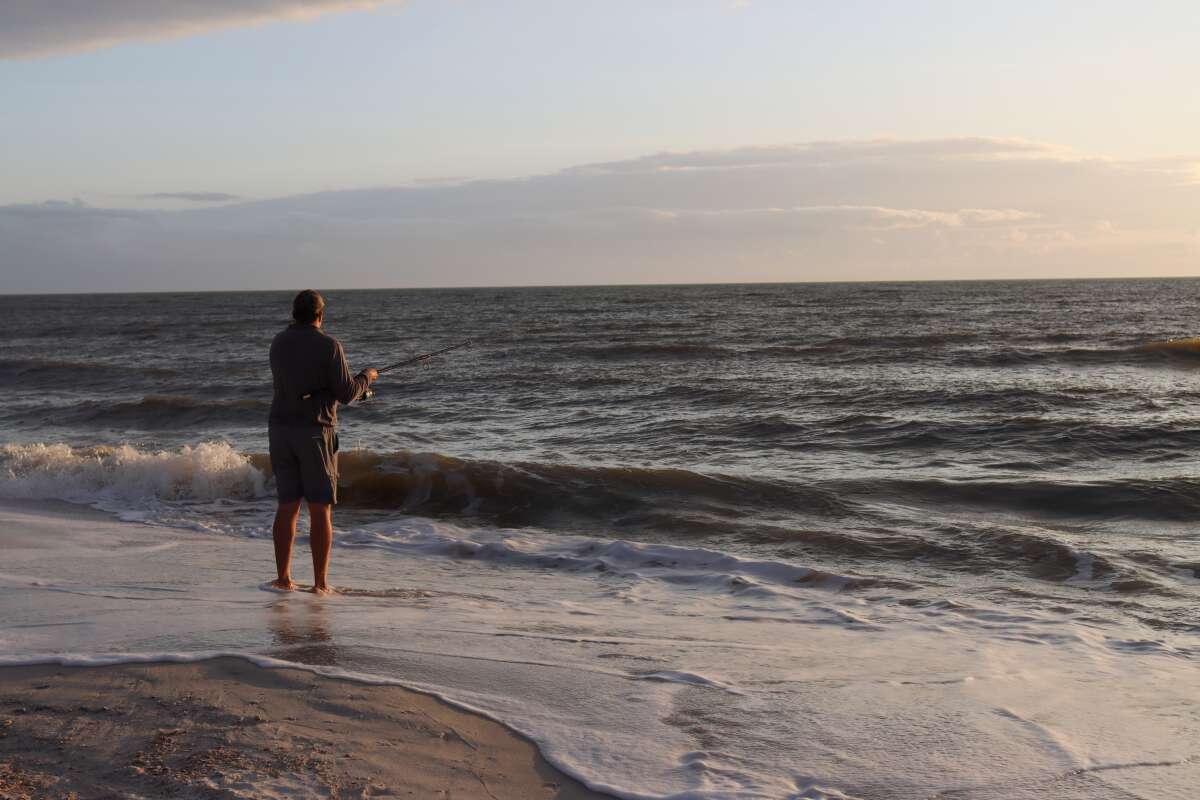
(302, 633)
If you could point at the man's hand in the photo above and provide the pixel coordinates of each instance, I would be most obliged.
(371, 374)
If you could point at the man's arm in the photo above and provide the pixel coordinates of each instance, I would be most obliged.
(345, 388)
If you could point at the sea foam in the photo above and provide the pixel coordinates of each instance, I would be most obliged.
(127, 475)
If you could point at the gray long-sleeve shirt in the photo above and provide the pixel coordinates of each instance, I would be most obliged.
(306, 361)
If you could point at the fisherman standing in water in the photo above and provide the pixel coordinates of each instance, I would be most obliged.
(310, 377)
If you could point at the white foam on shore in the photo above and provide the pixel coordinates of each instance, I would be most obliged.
(696, 567)
(689, 678)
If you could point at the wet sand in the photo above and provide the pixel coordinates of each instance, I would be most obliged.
(225, 728)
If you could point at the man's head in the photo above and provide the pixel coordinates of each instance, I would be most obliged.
(308, 308)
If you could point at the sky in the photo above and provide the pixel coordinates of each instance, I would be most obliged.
(257, 144)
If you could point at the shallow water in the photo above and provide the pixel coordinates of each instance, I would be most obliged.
(648, 670)
(886, 541)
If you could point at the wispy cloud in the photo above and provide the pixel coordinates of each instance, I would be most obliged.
(958, 208)
(193, 197)
(36, 28)
(869, 217)
(59, 210)
(834, 153)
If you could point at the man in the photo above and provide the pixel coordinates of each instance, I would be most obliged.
(311, 377)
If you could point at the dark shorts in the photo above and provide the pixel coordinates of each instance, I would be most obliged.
(305, 463)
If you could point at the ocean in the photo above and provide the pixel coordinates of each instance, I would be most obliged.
(892, 540)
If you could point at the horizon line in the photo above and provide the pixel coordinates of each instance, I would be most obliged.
(482, 287)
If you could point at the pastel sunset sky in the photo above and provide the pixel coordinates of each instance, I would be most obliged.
(155, 145)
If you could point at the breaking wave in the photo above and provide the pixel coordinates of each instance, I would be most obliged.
(127, 475)
(655, 505)
(565, 495)
(431, 484)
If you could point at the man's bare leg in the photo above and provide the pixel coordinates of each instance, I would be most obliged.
(284, 533)
(320, 537)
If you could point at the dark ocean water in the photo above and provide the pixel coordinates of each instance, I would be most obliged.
(1025, 441)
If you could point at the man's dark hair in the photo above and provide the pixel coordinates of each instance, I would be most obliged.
(307, 306)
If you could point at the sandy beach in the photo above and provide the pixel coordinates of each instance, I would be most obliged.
(226, 728)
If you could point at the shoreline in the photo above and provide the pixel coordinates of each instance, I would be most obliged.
(670, 680)
(28, 523)
(227, 727)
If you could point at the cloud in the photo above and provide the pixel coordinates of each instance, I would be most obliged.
(827, 154)
(869, 217)
(193, 197)
(877, 210)
(36, 28)
(59, 210)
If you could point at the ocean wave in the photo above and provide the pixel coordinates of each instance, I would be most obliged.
(964, 349)
(1181, 347)
(1157, 499)
(1025, 435)
(126, 476)
(40, 373)
(653, 351)
(953, 349)
(570, 496)
(842, 521)
(1180, 353)
(872, 343)
(162, 412)
(1059, 438)
(1029, 438)
(432, 484)
(1009, 400)
(566, 495)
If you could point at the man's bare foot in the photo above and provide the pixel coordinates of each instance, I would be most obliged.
(324, 590)
(286, 584)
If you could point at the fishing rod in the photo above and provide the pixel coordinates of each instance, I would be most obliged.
(421, 359)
